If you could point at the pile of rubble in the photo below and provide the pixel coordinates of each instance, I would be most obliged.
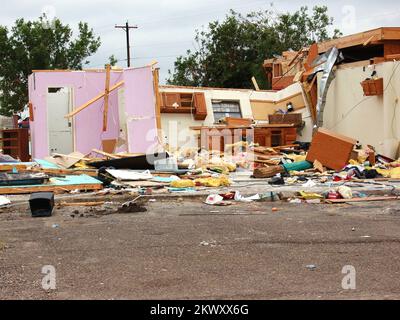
(327, 170)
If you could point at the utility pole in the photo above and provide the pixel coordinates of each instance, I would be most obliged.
(126, 28)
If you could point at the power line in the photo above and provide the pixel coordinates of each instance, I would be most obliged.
(192, 13)
(141, 58)
(127, 28)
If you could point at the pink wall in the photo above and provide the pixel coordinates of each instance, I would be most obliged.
(89, 122)
(140, 110)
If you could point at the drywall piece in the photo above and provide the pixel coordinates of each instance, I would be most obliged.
(331, 149)
(66, 161)
(140, 110)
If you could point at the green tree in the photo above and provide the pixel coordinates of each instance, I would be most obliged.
(40, 44)
(112, 60)
(230, 52)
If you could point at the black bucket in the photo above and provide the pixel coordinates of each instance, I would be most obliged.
(41, 204)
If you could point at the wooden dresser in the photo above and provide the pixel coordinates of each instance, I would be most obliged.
(216, 137)
(15, 142)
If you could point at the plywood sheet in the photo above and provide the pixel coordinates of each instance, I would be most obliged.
(331, 149)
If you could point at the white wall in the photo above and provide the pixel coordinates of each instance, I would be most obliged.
(176, 127)
(371, 120)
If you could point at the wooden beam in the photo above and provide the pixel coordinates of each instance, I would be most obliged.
(393, 56)
(106, 97)
(351, 40)
(82, 204)
(255, 84)
(64, 172)
(368, 41)
(153, 63)
(90, 102)
(295, 57)
(362, 199)
(50, 188)
(156, 81)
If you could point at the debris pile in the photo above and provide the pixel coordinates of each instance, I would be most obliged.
(327, 170)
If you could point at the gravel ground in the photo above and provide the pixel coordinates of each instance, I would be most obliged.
(183, 249)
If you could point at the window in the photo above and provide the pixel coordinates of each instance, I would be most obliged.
(224, 109)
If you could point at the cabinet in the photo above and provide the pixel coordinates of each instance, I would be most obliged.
(15, 143)
(215, 138)
(274, 137)
(262, 137)
(180, 102)
(200, 106)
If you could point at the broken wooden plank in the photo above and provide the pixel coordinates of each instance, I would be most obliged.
(66, 172)
(57, 185)
(362, 199)
(106, 154)
(82, 204)
(268, 162)
(255, 83)
(95, 99)
(368, 41)
(318, 166)
(49, 188)
(10, 167)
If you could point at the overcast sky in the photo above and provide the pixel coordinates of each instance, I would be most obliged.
(167, 27)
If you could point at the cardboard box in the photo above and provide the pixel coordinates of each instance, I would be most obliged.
(331, 149)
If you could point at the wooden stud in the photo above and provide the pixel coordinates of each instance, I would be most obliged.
(106, 97)
(158, 97)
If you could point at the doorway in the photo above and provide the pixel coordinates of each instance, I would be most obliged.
(59, 103)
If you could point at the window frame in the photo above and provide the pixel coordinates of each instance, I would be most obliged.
(236, 114)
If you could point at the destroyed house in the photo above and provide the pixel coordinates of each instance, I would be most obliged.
(347, 85)
(355, 92)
